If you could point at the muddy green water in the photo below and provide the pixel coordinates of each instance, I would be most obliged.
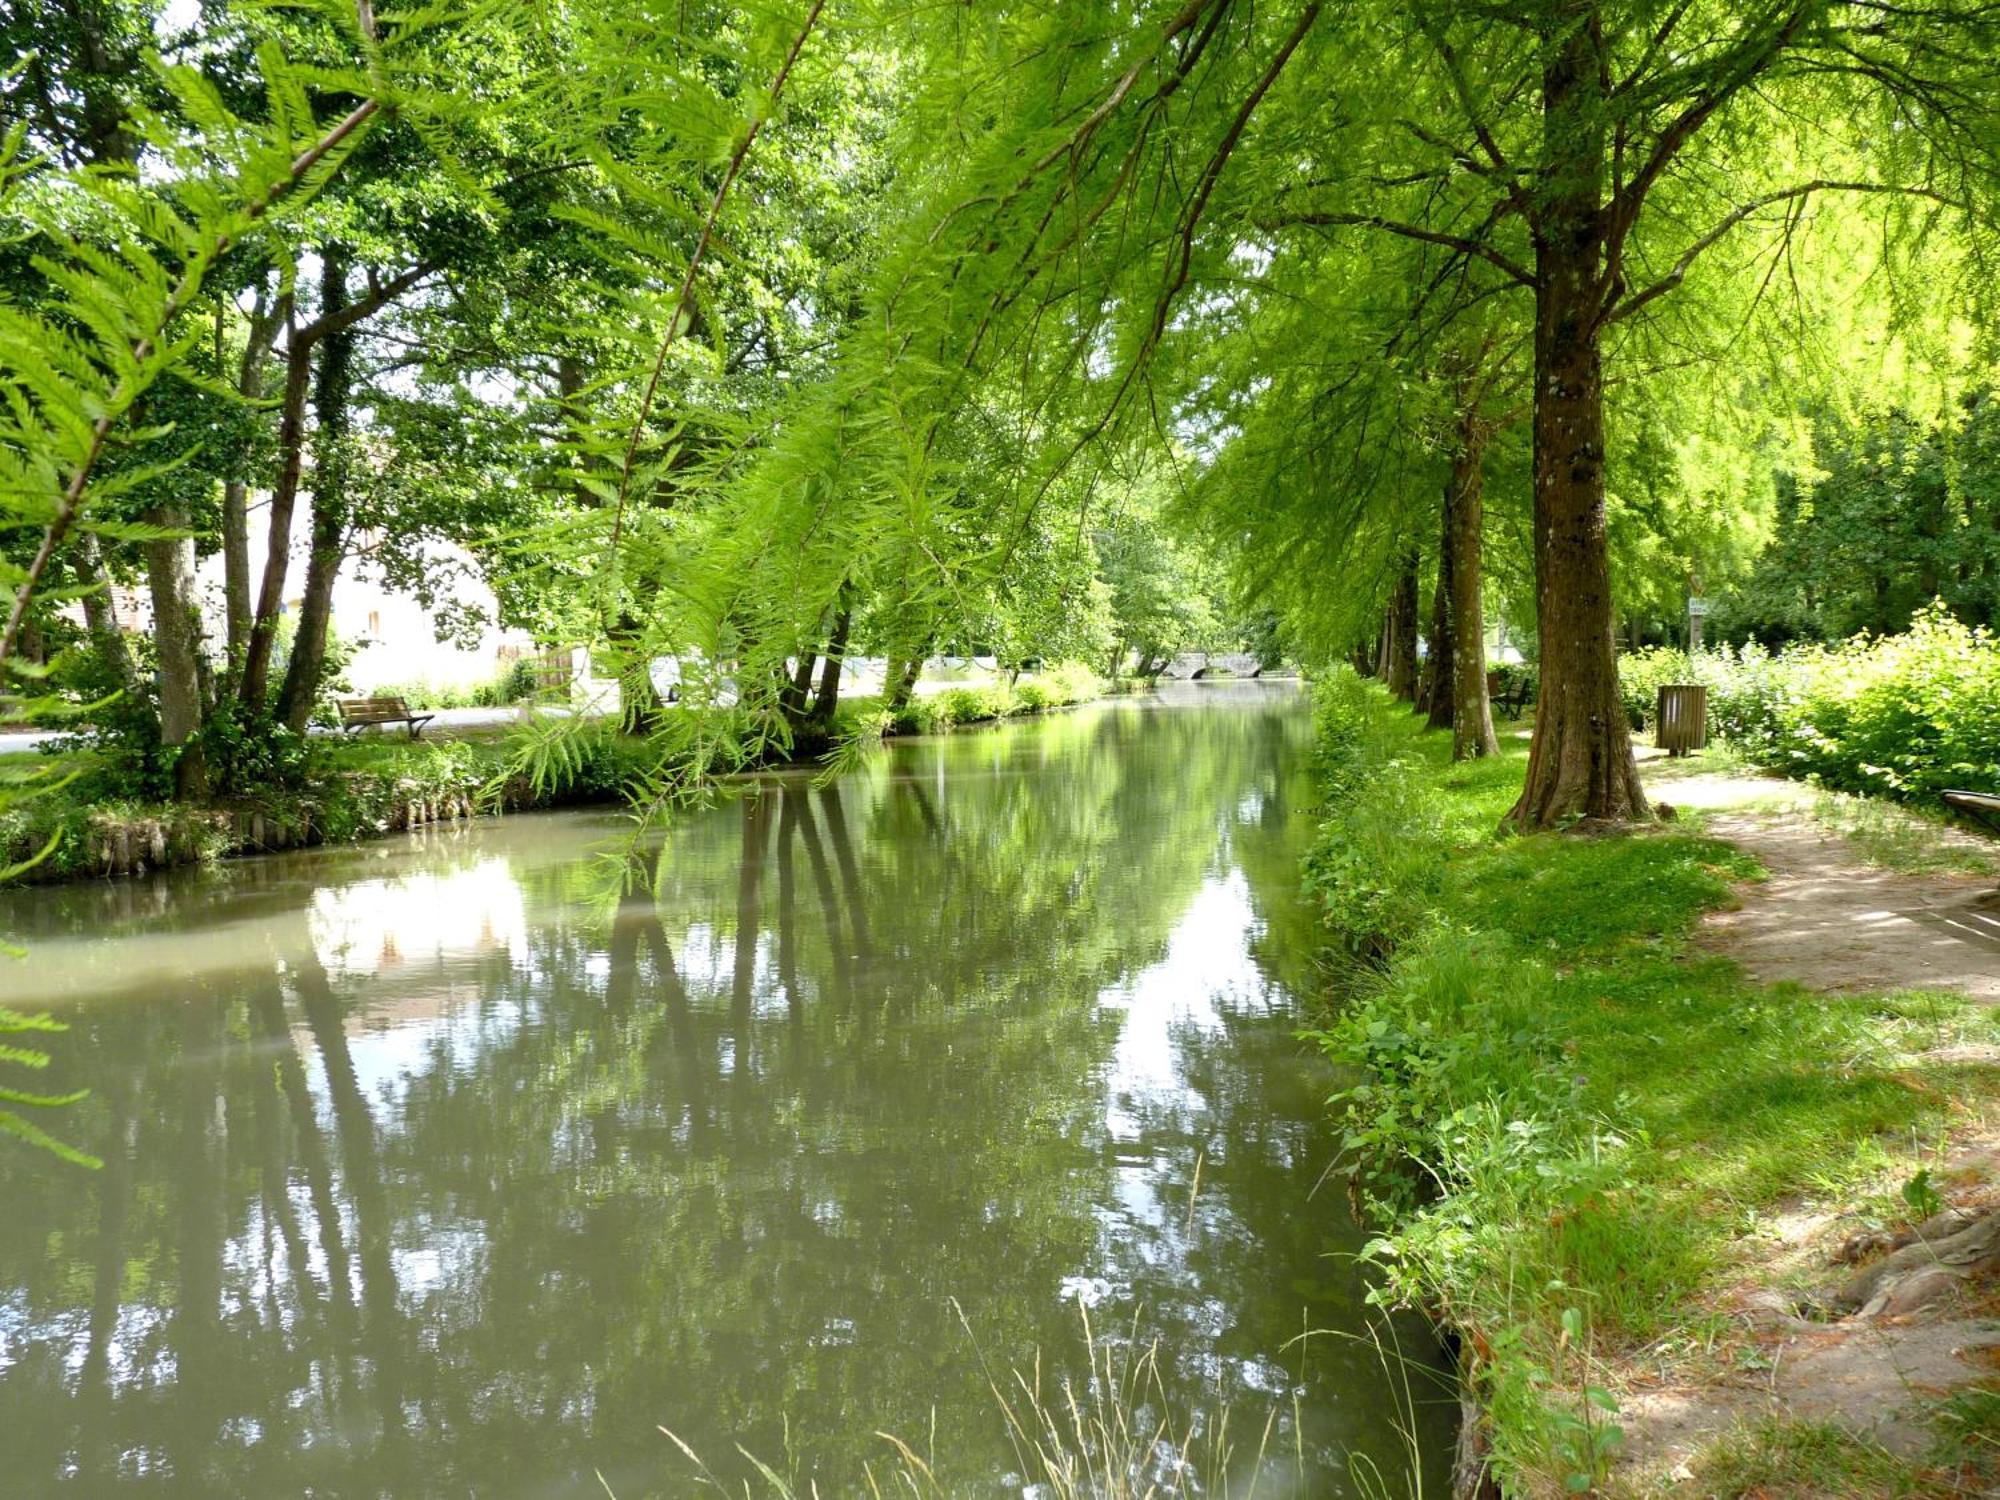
(437, 1168)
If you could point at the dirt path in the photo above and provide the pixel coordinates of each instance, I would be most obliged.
(1841, 1321)
(1829, 921)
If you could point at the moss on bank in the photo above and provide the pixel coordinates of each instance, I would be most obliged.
(1570, 1126)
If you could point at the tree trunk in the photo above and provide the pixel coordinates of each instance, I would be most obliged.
(308, 664)
(1581, 762)
(177, 643)
(1465, 509)
(1399, 646)
(256, 679)
(329, 502)
(101, 619)
(792, 701)
(836, 652)
(1436, 683)
(264, 326)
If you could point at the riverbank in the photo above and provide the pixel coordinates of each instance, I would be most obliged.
(355, 790)
(1594, 1141)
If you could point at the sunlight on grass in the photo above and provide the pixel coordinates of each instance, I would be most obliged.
(1594, 1114)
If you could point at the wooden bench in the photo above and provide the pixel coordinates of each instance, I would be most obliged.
(1981, 807)
(359, 713)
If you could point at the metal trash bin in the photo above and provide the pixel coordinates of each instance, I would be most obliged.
(1680, 723)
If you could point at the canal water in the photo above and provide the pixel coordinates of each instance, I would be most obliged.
(464, 1163)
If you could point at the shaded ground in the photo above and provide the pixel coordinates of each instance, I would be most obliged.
(1842, 1321)
(1828, 920)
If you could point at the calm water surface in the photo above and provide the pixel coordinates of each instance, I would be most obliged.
(440, 1168)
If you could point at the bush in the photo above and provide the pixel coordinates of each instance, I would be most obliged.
(513, 685)
(1904, 716)
(1373, 868)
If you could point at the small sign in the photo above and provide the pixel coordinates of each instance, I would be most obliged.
(1697, 607)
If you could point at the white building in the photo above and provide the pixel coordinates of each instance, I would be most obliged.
(396, 636)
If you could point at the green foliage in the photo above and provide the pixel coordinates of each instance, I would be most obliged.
(1904, 716)
(1060, 686)
(515, 685)
(1898, 512)
(1546, 1103)
(13, 1100)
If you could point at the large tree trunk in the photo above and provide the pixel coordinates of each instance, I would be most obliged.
(1435, 682)
(1399, 635)
(177, 643)
(1581, 762)
(329, 502)
(1465, 509)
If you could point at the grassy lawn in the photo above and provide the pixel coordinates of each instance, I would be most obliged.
(1573, 1125)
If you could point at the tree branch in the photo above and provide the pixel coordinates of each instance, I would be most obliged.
(1742, 211)
(729, 175)
(128, 389)
(1459, 243)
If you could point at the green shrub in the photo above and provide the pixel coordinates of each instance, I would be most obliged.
(1373, 869)
(514, 685)
(1904, 716)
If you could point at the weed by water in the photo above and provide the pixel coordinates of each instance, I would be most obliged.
(1114, 1431)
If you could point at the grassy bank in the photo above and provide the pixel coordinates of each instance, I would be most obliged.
(1571, 1127)
(350, 789)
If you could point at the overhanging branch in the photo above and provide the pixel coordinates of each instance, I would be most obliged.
(1460, 243)
(1742, 211)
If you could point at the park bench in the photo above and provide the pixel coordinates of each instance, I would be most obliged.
(1981, 807)
(359, 713)
(1510, 699)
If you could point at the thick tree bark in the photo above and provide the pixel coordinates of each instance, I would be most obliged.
(1399, 635)
(1581, 762)
(1435, 682)
(330, 507)
(1465, 513)
(177, 643)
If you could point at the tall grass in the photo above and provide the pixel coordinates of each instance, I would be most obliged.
(1113, 1430)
